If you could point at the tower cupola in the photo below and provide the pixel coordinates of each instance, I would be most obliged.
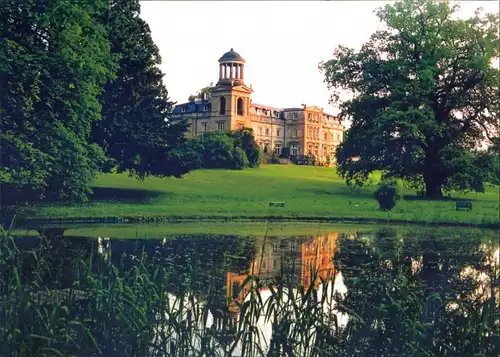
(231, 68)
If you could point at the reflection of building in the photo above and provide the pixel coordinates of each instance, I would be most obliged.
(302, 259)
(304, 130)
(317, 259)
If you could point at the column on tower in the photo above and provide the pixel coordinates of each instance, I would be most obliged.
(241, 71)
(220, 70)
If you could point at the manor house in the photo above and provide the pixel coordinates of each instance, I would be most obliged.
(304, 129)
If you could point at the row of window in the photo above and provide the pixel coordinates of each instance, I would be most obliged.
(220, 125)
(268, 131)
(315, 151)
(278, 132)
(294, 149)
(315, 117)
(313, 133)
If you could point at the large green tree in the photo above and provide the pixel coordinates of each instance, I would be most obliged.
(134, 130)
(54, 59)
(424, 96)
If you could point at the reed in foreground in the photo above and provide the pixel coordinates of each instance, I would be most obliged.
(63, 299)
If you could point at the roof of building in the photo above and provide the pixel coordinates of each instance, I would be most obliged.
(262, 106)
(231, 55)
(192, 107)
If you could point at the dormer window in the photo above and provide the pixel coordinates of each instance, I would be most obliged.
(183, 109)
(206, 108)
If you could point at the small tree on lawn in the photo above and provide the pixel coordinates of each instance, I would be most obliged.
(387, 194)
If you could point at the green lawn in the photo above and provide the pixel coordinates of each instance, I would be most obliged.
(307, 192)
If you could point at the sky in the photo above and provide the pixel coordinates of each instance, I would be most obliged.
(282, 42)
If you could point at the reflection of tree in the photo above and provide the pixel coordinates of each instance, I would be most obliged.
(411, 296)
(199, 264)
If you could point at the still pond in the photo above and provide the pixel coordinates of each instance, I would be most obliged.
(292, 291)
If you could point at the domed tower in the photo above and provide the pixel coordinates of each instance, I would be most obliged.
(230, 96)
(231, 66)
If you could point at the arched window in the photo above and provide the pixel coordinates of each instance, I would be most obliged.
(222, 105)
(240, 110)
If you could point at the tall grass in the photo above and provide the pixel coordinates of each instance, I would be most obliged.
(81, 303)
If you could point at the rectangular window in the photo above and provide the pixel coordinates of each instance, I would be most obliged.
(277, 148)
(338, 137)
(295, 149)
(220, 125)
(260, 130)
(294, 133)
(277, 132)
(294, 115)
(325, 136)
(267, 131)
(205, 126)
(309, 116)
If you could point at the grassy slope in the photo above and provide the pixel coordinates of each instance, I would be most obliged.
(307, 191)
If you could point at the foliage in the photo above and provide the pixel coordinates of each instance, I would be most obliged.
(492, 156)
(205, 90)
(217, 150)
(275, 159)
(311, 159)
(387, 194)
(54, 59)
(240, 159)
(245, 139)
(234, 150)
(134, 129)
(424, 96)
(418, 291)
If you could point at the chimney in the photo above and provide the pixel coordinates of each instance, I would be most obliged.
(304, 106)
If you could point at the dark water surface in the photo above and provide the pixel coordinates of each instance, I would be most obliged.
(380, 292)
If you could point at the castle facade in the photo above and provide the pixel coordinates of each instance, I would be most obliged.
(303, 130)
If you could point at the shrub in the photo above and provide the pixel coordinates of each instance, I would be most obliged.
(311, 159)
(387, 194)
(217, 150)
(244, 139)
(240, 160)
(274, 158)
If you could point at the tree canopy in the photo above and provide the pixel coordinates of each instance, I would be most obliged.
(205, 90)
(54, 60)
(425, 97)
(134, 131)
(79, 87)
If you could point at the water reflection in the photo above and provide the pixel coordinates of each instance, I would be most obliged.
(303, 261)
(414, 292)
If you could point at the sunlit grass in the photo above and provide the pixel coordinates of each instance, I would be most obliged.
(307, 192)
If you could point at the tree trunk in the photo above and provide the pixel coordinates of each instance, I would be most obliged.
(433, 186)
